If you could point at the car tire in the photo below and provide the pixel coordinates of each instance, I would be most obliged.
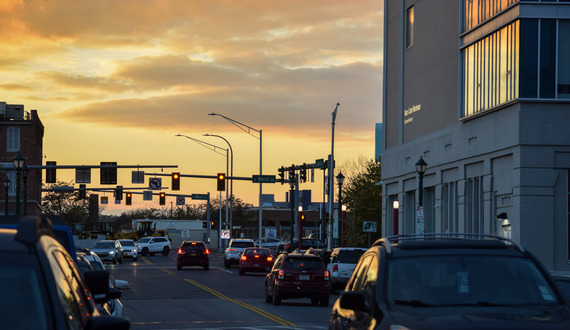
(144, 252)
(135, 259)
(325, 301)
(268, 298)
(226, 264)
(151, 254)
(241, 272)
(165, 251)
(206, 267)
(178, 267)
(276, 298)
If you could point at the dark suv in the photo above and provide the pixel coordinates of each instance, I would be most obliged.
(42, 287)
(193, 253)
(449, 281)
(296, 275)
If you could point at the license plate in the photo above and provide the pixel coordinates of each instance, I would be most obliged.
(193, 254)
(255, 265)
(304, 277)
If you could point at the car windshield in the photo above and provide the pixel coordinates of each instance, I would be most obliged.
(144, 240)
(349, 256)
(193, 247)
(23, 304)
(127, 243)
(104, 245)
(300, 263)
(261, 252)
(467, 280)
(242, 244)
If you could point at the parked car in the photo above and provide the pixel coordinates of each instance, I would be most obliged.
(296, 275)
(35, 270)
(193, 253)
(255, 259)
(113, 307)
(129, 249)
(109, 250)
(450, 281)
(563, 283)
(234, 250)
(341, 265)
(153, 244)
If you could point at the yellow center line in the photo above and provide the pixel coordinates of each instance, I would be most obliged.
(146, 260)
(241, 303)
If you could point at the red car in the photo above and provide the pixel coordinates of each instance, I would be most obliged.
(255, 259)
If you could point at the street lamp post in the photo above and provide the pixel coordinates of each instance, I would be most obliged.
(331, 181)
(213, 148)
(7, 183)
(25, 173)
(340, 181)
(228, 209)
(248, 130)
(421, 167)
(19, 162)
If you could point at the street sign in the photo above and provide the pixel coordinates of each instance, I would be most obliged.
(137, 177)
(226, 233)
(369, 226)
(154, 183)
(147, 195)
(104, 200)
(320, 163)
(180, 200)
(203, 197)
(263, 178)
(83, 175)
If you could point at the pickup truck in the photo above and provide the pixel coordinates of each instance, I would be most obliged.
(153, 244)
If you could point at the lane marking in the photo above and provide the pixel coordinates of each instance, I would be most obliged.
(146, 260)
(240, 303)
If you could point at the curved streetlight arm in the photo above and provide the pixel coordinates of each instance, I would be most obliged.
(206, 144)
(241, 126)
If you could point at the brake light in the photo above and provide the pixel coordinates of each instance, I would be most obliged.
(193, 243)
(243, 257)
(207, 251)
(180, 251)
(269, 258)
(335, 268)
(326, 274)
(230, 249)
(281, 274)
(256, 256)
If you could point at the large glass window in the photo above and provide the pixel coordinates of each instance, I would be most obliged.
(474, 206)
(490, 70)
(13, 139)
(449, 195)
(478, 11)
(409, 222)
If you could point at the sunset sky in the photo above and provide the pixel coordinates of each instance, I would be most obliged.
(117, 80)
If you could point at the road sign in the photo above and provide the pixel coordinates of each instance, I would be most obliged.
(263, 178)
(203, 197)
(369, 226)
(147, 195)
(154, 183)
(137, 177)
(180, 200)
(226, 233)
(104, 200)
(320, 163)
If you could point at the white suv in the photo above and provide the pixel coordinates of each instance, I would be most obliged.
(151, 245)
(235, 249)
(341, 265)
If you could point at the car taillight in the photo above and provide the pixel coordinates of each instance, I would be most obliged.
(231, 249)
(243, 257)
(335, 268)
(270, 259)
(326, 274)
(180, 251)
(207, 251)
(281, 274)
(256, 256)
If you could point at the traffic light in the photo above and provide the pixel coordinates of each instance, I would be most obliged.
(82, 191)
(212, 224)
(302, 216)
(292, 173)
(221, 182)
(162, 200)
(281, 174)
(119, 193)
(303, 173)
(50, 172)
(175, 181)
(109, 174)
(129, 199)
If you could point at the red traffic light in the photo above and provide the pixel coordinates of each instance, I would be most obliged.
(175, 181)
(162, 200)
(221, 182)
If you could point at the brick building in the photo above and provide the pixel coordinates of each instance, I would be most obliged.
(21, 131)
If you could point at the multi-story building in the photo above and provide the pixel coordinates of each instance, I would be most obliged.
(21, 131)
(480, 90)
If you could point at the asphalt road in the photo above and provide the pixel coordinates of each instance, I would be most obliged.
(161, 297)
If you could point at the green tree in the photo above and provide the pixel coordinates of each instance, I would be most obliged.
(363, 197)
(66, 203)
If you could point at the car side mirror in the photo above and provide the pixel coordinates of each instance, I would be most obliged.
(353, 300)
(98, 283)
